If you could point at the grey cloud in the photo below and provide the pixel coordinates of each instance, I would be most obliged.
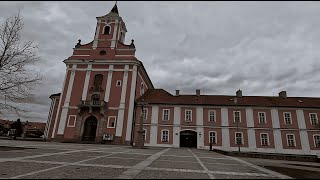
(260, 47)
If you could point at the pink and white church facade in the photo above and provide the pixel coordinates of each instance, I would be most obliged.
(105, 83)
(103, 79)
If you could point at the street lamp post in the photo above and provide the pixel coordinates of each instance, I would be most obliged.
(140, 141)
(235, 100)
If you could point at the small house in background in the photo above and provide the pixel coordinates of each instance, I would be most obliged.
(5, 126)
(32, 129)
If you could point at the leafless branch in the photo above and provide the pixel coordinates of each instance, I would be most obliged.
(16, 79)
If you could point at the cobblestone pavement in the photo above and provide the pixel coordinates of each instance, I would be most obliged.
(50, 160)
(295, 169)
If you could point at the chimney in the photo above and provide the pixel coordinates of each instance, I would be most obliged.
(198, 92)
(283, 94)
(177, 92)
(239, 93)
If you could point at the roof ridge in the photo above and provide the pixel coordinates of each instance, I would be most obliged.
(161, 96)
(233, 95)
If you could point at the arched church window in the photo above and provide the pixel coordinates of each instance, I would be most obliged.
(142, 89)
(106, 29)
(95, 97)
(121, 37)
(98, 81)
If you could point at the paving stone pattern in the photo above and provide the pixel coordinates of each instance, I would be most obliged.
(88, 161)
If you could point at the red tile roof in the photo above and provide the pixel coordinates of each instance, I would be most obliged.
(160, 96)
(2, 121)
(36, 125)
(31, 125)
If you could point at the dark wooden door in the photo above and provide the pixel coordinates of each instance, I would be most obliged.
(188, 139)
(90, 129)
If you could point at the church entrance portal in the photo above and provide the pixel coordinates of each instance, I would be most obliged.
(90, 128)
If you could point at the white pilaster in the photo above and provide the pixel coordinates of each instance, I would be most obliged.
(59, 105)
(48, 121)
(113, 41)
(276, 130)
(86, 83)
(124, 85)
(118, 38)
(108, 85)
(95, 42)
(46, 131)
(154, 125)
(64, 112)
(303, 131)
(251, 131)
(122, 102)
(131, 103)
(225, 129)
(176, 126)
(200, 130)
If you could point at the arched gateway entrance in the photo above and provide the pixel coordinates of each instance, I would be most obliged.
(90, 128)
(188, 138)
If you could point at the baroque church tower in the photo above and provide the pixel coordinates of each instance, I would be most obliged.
(102, 81)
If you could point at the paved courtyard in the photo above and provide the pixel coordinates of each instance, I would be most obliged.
(64, 160)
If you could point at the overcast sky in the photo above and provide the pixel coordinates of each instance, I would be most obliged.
(218, 47)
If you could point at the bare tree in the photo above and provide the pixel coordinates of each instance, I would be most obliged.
(17, 78)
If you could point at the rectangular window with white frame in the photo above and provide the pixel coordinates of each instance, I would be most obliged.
(111, 122)
(188, 115)
(313, 118)
(212, 116)
(144, 134)
(237, 116)
(212, 137)
(262, 117)
(316, 139)
(287, 118)
(165, 114)
(239, 138)
(264, 137)
(165, 135)
(291, 142)
(145, 114)
(72, 121)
